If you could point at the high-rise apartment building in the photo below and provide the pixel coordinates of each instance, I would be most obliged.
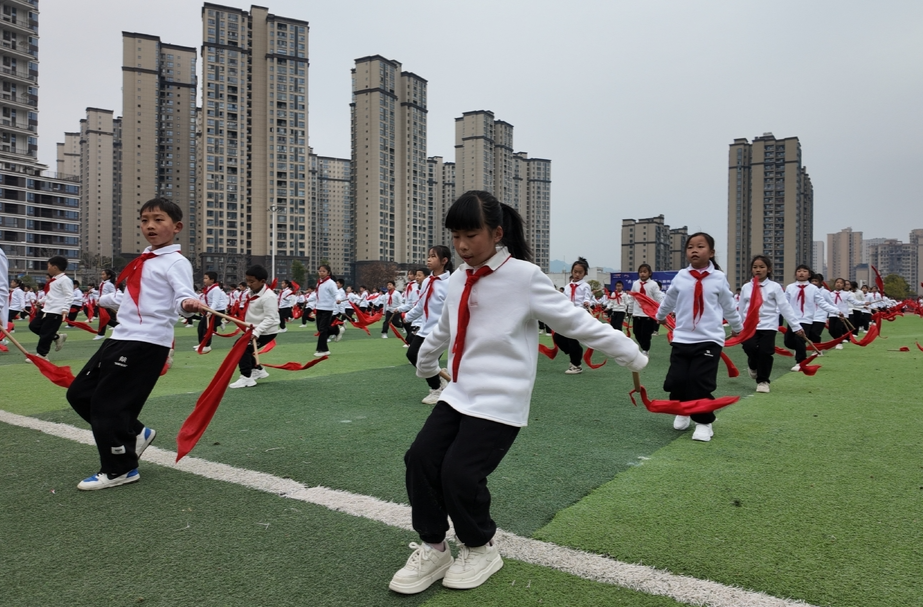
(818, 261)
(93, 154)
(331, 215)
(485, 160)
(770, 206)
(868, 242)
(678, 238)
(255, 122)
(895, 257)
(159, 83)
(39, 213)
(844, 253)
(441, 194)
(392, 218)
(650, 241)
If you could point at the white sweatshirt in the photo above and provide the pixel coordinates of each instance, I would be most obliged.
(650, 289)
(813, 300)
(262, 311)
(774, 303)
(439, 286)
(719, 304)
(497, 371)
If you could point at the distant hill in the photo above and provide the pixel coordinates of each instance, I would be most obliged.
(556, 265)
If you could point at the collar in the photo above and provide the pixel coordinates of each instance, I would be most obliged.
(710, 269)
(498, 259)
(170, 248)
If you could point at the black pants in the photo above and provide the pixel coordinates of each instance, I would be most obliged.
(866, 320)
(46, 327)
(447, 468)
(109, 393)
(815, 331)
(760, 350)
(693, 374)
(13, 315)
(72, 315)
(412, 352)
(392, 317)
(794, 342)
(323, 327)
(837, 327)
(113, 321)
(284, 314)
(571, 347)
(202, 329)
(247, 360)
(644, 327)
(306, 316)
(616, 319)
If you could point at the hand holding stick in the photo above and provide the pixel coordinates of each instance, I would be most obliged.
(238, 321)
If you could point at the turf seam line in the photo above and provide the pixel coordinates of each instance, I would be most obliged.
(594, 567)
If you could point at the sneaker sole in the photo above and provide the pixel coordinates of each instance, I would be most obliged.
(422, 584)
(468, 583)
(97, 487)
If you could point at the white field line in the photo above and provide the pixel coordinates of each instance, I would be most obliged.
(585, 565)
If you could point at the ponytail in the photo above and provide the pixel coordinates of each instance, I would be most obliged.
(514, 236)
(476, 209)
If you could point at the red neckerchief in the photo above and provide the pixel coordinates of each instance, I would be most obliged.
(641, 290)
(464, 314)
(47, 286)
(573, 291)
(429, 291)
(698, 300)
(390, 295)
(250, 298)
(801, 296)
(132, 277)
(837, 298)
(319, 283)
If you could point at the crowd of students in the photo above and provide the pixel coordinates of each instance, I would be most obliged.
(481, 399)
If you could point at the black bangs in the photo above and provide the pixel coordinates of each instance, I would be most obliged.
(465, 213)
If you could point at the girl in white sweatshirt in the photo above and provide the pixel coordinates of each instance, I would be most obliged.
(581, 295)
(701, 299)
(493, 352)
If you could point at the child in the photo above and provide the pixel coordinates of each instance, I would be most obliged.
(212, 296)
(616, 304)
(76, 302)
(58, 293)
(262, 311)
(310, 303)
(326, 291)
(410, 300)
(112, 387)
(644, 326)
(286, 302)
(494, 351)
(580, 295)
(428, 309)
(16, 300)
(762, 346)
(805, 300)
(816, 331)
(340, 312)
(701, 299)
(106, 287)
(842, 301)
(391, 301)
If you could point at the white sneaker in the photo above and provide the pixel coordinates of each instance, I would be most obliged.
(282, 330)
(425, 566)
(319, 353)
(762, 387)
(644, 352)
(797, 368)
(573, 370)
(101, 480)
(473, 566)
(384, 336)
(751, 372)
(98, 337)
(433, 397)
(169, 363)
(243, 382)
(59, 342)
(258, 374)
(144, 439)
(406, 345)
(703, 432)
(681, 422)
(190, 326)
(205, 349)
(341, 330)
(838, 347)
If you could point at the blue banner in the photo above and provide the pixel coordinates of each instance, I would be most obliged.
(628, 278)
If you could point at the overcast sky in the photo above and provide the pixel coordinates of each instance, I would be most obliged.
(635, 103)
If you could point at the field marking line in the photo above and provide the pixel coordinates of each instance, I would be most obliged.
(594, 567)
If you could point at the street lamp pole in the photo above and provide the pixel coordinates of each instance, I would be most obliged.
(272, 236)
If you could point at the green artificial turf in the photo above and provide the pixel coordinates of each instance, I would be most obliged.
(814, 491)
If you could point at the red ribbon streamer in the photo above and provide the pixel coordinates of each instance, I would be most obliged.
(205, 407)
(732, 368)
(873, 332)
(396, 332)
(685, 407)
(807, 368)
(588, 359)
(81, 325)
(268, 347)
(919, 346)
(783, 352)
(294, 366)
(59, 376)
(752, 321)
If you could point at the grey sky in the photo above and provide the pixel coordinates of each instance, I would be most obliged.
(635, 103)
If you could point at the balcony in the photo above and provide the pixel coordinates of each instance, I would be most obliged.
(21, 74)
(26, 100)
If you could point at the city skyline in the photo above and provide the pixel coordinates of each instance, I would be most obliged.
(664, 84)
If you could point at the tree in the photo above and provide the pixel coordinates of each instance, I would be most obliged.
(298, 271)
(596, 287)
(376, 273)
(896, 287)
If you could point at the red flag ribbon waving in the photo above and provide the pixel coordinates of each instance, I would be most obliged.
(550, 353)
(676, 407)
(588, 359)
(752, 321)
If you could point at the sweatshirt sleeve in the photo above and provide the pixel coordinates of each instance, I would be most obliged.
(729, 306)
(821, 301)
(557, 311)
(786, 310)
(668, 302)
(433, 346)
(180, 277)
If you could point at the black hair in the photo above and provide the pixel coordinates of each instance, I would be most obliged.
(392, 283)
(363, 287)
(817, 276)
(645, 265)
(17, 282)
(802, 266)
(711, 245)
(242, 284)
(212, 275)
(766, 261)
(76, 283)
(340, 281)
(258, 272)
(476, 209)
(58, 262)
(582, 263)
(167, 206)
(110, 274)
(619, 282)
(443, 252)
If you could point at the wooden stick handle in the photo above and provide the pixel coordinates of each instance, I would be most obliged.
(13, 339)
(444, 375)
(849, 324)
(813, 347)
(636, 377)
(256, 351)
(237, 321)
